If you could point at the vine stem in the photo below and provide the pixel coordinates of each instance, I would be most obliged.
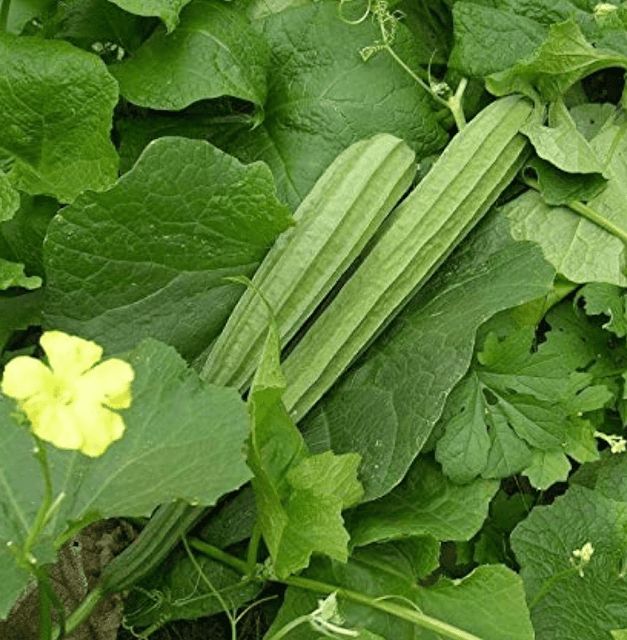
(585, 211)
(410, 615)
(4, 14)
(398, 611)
(80, 615)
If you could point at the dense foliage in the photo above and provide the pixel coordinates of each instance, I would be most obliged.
(357, 272)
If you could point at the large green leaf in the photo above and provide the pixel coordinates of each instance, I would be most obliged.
(149, 256)
(299, 497)
(484, 603)
(167, 10)
(387, 405)
(567, 605)
(579, 249)
(56, 107)
(322, 97)
(184, 440)
(214, 52)
(425, 503)
(480, 30)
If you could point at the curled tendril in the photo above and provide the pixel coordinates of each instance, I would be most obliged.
(388, 25)
(363, 18)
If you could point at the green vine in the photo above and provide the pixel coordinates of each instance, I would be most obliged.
(388, 23)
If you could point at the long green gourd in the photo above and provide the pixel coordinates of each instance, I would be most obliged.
(333, 225)
(471, 173)
(474, 169)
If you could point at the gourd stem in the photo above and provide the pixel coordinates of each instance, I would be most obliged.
(83, 611)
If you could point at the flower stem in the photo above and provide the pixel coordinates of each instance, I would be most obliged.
(44, 507)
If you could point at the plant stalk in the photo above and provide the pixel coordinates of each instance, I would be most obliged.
(398, 611)
(585, 211)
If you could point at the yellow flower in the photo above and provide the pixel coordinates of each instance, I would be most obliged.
(69, 403)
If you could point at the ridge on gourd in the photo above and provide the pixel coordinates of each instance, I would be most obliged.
(333, 225)
(473, 170)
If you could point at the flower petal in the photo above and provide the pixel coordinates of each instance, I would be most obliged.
(69, 356)
(25, 377)
(99, 428)
(55, 423)
(109, 382)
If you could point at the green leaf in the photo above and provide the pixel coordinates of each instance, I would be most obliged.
(591, 117)
(560, 188)
(22, 237)
(9, 198)
(19, 312)
(300, 497)
(184, 440)
(215, 52)
(149, 257)
(608, 300)
(530, 402)
(561, 144)
(56, 107)
(425, 503)
(483, 603)
(563, 59)
(564, 604)
(22, 12)
(387, 405)
(12, 275)
(481, 30)
(579, 249)
(322, 97)
(547, 468)
(98, 26)
(167, 10)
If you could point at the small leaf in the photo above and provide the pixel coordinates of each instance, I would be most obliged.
(12, 275)
(300, 497)
(608, 300)
(56, 108)
(425, 503)
(167, 10)
(563, 59)
(215, 52)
